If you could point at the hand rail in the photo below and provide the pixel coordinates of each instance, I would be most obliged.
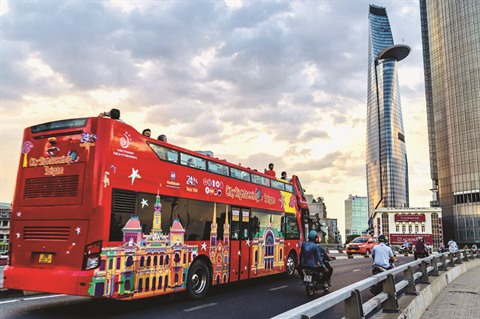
(388, 299)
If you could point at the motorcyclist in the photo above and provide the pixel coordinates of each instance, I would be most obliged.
(326, 261)
(421, 249)
(311, 255)
(382, 254)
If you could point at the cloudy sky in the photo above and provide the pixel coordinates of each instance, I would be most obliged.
(254, 82)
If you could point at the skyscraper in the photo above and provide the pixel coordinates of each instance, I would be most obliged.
(356, 215)
(386, 155)
(451, 54)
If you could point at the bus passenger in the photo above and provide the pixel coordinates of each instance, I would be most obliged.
(114, 114)
(270, 170)
(146, 132)
(162, 138)
(284, 176)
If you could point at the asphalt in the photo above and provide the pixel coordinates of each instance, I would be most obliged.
(459, 299)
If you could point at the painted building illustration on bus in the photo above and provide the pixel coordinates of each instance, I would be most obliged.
(268, 246)
(156, 263)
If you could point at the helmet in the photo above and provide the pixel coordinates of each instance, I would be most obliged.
(312, 235)
(382, 238)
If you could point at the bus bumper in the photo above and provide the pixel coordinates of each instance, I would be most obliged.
(47, 280)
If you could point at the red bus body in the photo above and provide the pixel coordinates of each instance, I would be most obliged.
(102, 211)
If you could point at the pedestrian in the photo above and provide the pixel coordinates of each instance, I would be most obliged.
(146, 132)
(270, 170)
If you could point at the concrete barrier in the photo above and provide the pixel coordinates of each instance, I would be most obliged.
(427, 295)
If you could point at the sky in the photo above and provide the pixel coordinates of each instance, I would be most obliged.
(252, 81)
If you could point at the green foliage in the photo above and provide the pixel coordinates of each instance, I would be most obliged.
(350, 238)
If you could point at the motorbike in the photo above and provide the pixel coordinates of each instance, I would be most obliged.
(376, 269)
(315, 281)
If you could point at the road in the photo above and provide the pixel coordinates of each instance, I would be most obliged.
(260, 298)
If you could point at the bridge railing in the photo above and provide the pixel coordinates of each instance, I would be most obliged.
(388, 299)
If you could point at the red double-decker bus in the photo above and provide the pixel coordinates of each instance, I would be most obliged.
(100, 210)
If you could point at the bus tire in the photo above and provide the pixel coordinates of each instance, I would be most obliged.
(291, 264)
(198, 280)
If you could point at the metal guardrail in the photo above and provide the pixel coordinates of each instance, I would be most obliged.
(388, 299)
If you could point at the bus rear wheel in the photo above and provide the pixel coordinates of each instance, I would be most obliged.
(198, 280)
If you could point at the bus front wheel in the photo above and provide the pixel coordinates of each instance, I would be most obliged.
(198, 280)
(291, 264)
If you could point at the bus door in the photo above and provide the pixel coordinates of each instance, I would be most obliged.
(240, 244)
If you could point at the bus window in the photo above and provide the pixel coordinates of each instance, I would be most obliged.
(291, 227)
(289, 188)
(260, 220)
(164, 153)
(277, 184)
(193, 161)
(195, 216)
(218, 168)
(257, 179)
(239, 174)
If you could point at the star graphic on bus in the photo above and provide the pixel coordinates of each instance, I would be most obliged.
(78, 230)
(19, 214)
(134, 175)
(204, 246)
(144, 202)
(248, 242)
(18, 235)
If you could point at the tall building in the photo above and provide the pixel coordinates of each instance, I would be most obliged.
(386, 155)
(356, 215)
(451, 53)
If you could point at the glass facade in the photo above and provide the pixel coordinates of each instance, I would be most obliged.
(451, 49)
(356, 215)
(386, 155)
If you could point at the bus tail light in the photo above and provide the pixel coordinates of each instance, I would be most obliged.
(91, 256)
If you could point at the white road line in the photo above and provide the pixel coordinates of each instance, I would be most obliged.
(44, 297)
(31, 298)
(356, 270)
(9, 301)
(281, 287)
(200, 307)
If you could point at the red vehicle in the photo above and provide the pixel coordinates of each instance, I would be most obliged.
(362, 245)
(102, 211)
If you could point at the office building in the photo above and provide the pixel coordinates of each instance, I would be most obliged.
(386, 155)
(356, 215)
(451, 50)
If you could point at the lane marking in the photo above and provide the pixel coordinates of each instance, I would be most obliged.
(356, 270)
(281, 287)
(44, 297)
(9, 301)
(200, 307)
(31, 298)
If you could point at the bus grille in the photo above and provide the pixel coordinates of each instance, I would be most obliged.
(55, 186)
(46, 232)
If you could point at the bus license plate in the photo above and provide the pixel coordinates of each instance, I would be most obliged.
(45, 258)
(307, 278)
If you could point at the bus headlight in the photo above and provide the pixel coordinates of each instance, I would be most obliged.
(91, 255)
